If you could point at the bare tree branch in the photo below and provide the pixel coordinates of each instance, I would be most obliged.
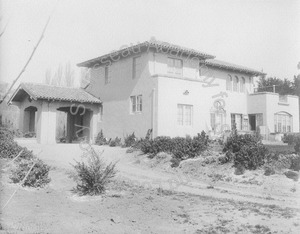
(30, 57)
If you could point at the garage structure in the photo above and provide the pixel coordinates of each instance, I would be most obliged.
(40, 104)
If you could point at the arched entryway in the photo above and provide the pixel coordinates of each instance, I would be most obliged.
(29, 121)
(73, 125)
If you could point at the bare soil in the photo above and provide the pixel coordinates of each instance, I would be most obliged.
(148, 196)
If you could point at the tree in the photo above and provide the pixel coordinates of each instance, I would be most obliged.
(283, 87)
(64, 76)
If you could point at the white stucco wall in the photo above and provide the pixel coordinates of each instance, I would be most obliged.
(201, 96)
(269, 104)
(117, 120)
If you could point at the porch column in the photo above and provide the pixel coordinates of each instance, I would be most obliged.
(47, 124)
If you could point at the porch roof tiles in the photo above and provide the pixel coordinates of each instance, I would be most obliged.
(51, 92)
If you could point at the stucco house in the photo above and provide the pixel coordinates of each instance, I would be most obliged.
(173, 90)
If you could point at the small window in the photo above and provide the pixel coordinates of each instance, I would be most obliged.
(242, 85)
(136, 104)
(175, 66)
(184, 114)
(229, 83)
(136, 67)
(107, 74)
(236, 84)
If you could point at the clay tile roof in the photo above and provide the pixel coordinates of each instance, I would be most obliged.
(159, 46)
(231, 66)
(50, 92)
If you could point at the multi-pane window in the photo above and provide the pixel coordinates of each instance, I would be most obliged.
(136, 104)
(242, 85)
(229, 83)
(136, 67)
(236, 84)
(175, 66)
(217, 120)
(237, 120)
(184, 114)
(107, 74)
(283, 122)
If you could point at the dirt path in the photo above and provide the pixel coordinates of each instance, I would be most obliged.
(62, 155)
(134, 204)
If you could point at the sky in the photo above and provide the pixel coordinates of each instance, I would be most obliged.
(260, 34)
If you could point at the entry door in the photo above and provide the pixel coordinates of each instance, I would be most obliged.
(252, 122)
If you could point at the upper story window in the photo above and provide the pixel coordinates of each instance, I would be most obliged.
(242, 85)
(184, 114)
(236, 84)
(136, 103)
(136, 67)
(107, 75)
(229, 83)
(175, 66)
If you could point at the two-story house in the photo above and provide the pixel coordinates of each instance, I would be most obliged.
(174, 91)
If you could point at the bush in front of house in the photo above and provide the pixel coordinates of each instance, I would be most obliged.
(9, 148)
(245, 150)
(100, 139)
(115, 142)
(180, 147)
(291, 138)
(130, 140)
(38, 176)
(93, 176)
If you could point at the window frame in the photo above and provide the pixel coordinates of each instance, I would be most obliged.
(185, 118)
(171, 67)
(136, 104)
(283, 122)
(229, 83)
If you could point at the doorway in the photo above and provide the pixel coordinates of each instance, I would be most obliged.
(252, 122)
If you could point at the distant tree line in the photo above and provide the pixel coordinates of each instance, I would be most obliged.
(283, 87)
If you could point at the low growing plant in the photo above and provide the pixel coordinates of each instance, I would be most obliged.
(38, 176)
(100, 139)
(129, 140)
(93, 176)
(115, 142)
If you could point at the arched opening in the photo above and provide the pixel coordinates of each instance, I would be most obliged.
(236, 84)
(29, 121)
(283, 122)
(229, 83)
(242, 85)
(73, 124)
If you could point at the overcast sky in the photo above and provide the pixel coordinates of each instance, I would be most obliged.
(261, 34)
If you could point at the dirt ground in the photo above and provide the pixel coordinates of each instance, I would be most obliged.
(148, 196)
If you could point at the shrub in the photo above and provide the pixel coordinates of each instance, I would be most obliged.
(129, 140)
(38, 176)
(251, 156)
(9, 148)
(291, 138)
(246, 150)
(93, 176)
(115, 142)
(100, 139)
(297, 145)
(180, 147)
